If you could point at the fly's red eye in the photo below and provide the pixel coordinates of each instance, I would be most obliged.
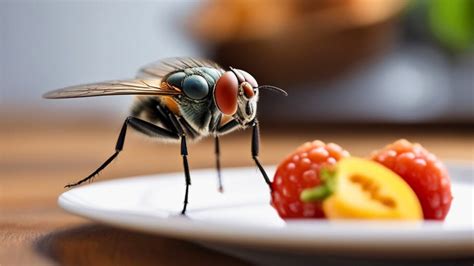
(249, 78)
(248, 90)
(225, 94)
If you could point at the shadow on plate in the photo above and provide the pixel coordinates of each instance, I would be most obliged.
(102, 245)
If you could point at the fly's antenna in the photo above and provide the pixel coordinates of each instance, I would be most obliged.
(274, 89)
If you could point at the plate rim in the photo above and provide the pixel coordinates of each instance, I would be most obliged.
(293, 238)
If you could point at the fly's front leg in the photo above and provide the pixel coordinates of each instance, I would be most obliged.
(233, 124)
(217, 151)
(255, 151)
(226, 128)
(142, 126)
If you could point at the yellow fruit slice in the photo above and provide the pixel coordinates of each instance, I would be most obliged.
(362, 189)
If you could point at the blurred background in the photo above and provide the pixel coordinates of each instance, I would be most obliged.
(363, 61)
(360, 73)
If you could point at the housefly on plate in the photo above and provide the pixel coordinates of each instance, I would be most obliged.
(180, 99)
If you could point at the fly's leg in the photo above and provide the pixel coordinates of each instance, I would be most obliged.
(255, 151)
(231, 125)
(139, 125)
(218, 163)
(178, 126)
(187, 176)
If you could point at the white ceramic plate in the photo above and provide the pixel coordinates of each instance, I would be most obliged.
(242, 217)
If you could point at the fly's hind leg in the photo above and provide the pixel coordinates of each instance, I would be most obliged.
(142, 126)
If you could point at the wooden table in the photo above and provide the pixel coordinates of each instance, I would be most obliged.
(39, 156)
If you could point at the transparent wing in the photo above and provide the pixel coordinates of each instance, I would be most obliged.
(117, 87)
(161, 68)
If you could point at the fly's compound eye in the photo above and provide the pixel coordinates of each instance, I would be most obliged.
(249, 78)
(195, 87)
(225, 94)
(176, 79)
(248, 90)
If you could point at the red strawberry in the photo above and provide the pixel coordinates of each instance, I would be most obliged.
(300, 170)
(423, 172)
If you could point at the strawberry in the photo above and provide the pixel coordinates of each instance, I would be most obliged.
(423, 172)
(301, 170)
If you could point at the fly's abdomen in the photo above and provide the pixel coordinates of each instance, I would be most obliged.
(150, 109)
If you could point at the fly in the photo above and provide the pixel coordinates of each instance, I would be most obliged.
(180, 99)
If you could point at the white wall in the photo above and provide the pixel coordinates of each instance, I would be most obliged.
(46, 45)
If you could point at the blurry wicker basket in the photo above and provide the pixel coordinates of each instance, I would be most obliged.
(287, 43)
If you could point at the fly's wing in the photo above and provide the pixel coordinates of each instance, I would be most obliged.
(117, 87)
(162, 68)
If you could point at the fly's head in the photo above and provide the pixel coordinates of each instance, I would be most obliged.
(236, 94)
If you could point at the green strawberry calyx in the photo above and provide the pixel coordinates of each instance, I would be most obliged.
(322, 191)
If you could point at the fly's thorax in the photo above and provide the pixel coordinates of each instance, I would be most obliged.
(195, 103)
(196, 114)
(196, 84)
